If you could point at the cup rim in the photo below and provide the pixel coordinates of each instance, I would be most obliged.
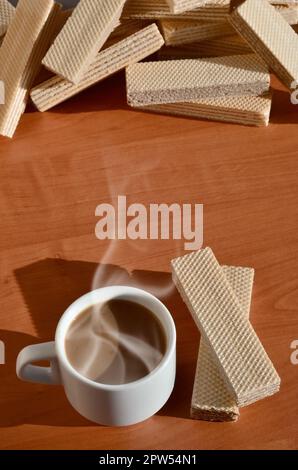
(77, 307)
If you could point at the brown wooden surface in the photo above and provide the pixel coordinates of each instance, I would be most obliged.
(54, 173)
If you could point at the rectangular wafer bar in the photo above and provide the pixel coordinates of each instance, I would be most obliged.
(185, 32)
(211, 399)
(83, 35)
(247, 110)
(187, 80)
(270, 36)
(155, 9)
(107, 62)
(237, 350)
(180, 6)
(24, 45)
(6, 15)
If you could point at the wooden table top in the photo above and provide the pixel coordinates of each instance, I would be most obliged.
(58, 168)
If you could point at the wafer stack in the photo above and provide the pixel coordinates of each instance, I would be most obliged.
(107, 62)
(205, 44)
(246, 372)
(161, 82)
(246, 110)
(211, 398)
(221, 52)
(223, 88)
(270, 36)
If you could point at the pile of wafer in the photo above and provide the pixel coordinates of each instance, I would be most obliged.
(204, 58)
(233, 368)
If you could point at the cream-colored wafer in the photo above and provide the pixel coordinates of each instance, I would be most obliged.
(27, 39)
(270, 36)
(107, 62)
(184, 32)
(60, 19)
(237, 350)
(247, 110)
(187, 80)
(83, 35)
(180, 6)
(154, 9)
(6, 15)
(211, 399)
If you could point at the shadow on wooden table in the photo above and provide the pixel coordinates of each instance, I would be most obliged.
(48, 287)
(283, 111)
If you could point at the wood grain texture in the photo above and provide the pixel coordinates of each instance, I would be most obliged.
(54, 173)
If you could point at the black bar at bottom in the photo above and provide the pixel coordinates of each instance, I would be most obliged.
(143, 458)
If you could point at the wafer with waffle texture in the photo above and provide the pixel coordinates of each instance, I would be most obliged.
(175, 81)
(26, 41)
(242, 360)
(246, 110)
(83, 35)
(211, 399)
(109, 61)
(270, 36)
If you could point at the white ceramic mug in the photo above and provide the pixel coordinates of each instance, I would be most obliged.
(113, 405)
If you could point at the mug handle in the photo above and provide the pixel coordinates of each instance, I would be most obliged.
(31, 373)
